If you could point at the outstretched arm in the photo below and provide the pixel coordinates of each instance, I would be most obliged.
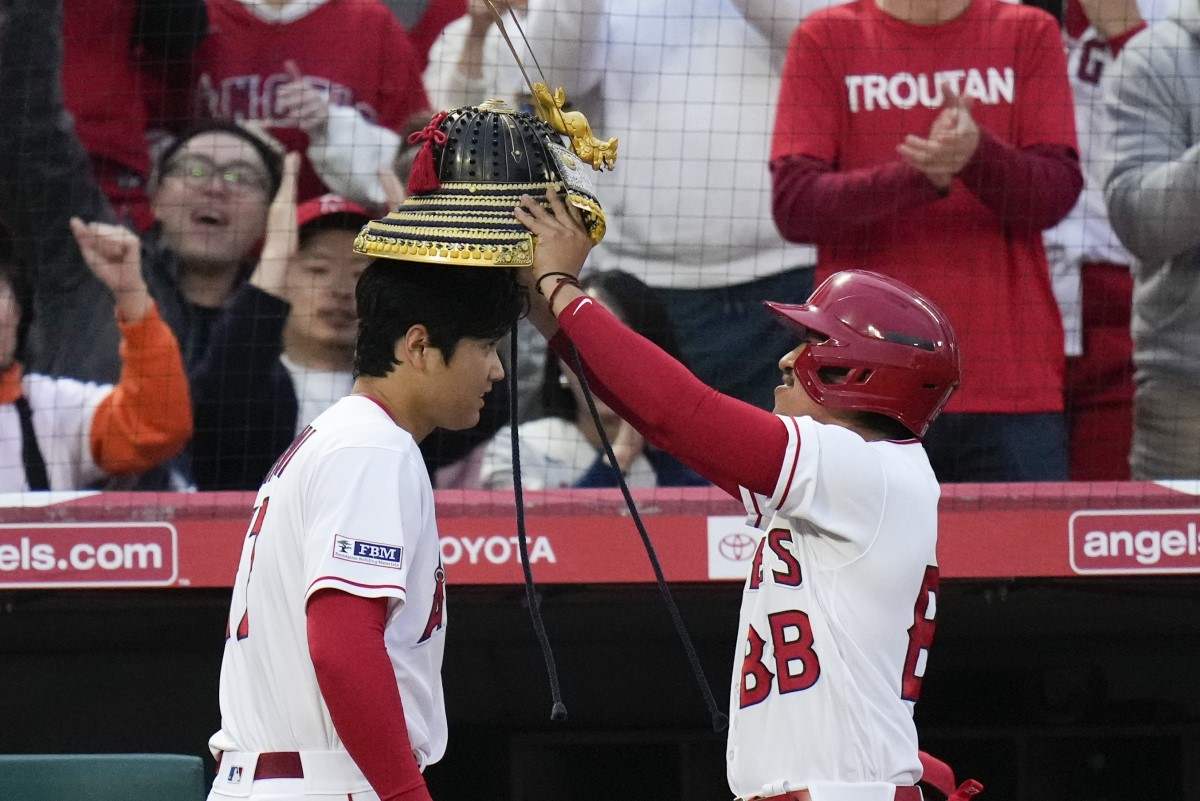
(147, 418)
(729, 442)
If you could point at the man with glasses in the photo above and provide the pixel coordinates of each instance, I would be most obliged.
(282, 349)
(209, 193)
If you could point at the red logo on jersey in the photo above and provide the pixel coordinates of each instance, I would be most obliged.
(439, 604)
(779, 538)
(791, 576)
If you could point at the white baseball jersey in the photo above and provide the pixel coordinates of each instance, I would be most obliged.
(1085, 234)
(347, 507)
(837, 618)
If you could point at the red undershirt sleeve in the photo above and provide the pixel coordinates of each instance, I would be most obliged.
(1032, 187)
(729, 442)
(815, 203)
(345, 641)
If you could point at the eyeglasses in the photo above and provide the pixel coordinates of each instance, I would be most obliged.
(199, 170)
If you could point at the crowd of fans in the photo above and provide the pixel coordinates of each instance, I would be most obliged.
(181, 182)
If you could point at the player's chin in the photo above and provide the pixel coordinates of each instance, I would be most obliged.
(469, 418)
(781, 399)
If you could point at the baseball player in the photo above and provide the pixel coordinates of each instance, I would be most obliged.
(840, 603)
(330, 683)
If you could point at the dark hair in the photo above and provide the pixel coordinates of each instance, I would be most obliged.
(271, 157)
(451, 302)
(635, 303)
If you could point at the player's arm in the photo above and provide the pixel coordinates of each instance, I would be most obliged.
(354, 672)
(371, 494)
(729, 442)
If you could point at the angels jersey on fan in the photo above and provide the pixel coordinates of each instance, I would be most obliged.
(347, 507)
(837, 617)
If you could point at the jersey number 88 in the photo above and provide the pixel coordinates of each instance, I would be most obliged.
(797, 665)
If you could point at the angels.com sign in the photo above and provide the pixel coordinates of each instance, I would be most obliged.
(1135, 541)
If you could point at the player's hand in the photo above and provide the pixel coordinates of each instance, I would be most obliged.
(952, 141)
(304, 104)
(114, 255)
(283, 236)
(561, 240)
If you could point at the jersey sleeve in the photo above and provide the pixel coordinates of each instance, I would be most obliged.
(363, 513)
(829, 477)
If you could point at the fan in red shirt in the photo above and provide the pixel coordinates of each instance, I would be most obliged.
(337, 80)
(934, 140)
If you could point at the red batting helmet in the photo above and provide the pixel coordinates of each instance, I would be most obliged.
(893, 351)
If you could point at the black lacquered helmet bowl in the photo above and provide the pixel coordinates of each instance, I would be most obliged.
(484, 157)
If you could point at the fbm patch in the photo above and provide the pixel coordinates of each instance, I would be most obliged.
(368, 553)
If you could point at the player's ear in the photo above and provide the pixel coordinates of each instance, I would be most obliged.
(413, 347)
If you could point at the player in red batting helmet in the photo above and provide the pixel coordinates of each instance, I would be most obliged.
(882, 348)
(840, 602)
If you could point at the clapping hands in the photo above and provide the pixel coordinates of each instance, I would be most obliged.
(952, 141)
